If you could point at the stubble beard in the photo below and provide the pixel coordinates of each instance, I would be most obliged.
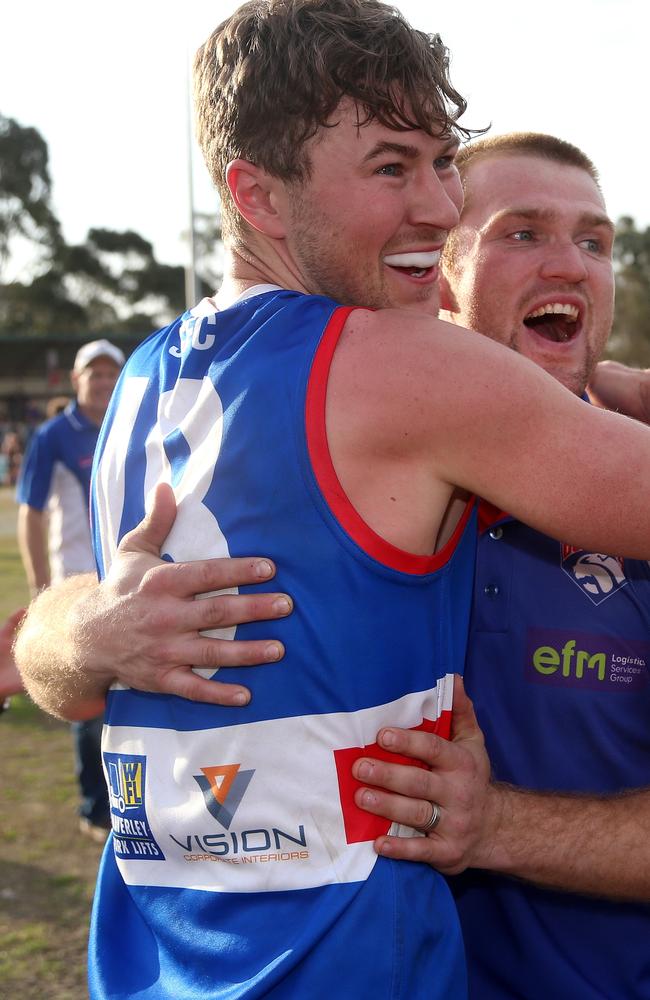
(333, 274)
(329, 268)
(575, 378)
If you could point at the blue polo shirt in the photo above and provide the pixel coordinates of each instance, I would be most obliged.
(55, 475)
(558, 670)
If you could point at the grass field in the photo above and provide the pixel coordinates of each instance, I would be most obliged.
(47, 869)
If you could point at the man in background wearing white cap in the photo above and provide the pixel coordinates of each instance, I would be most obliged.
(53, 492)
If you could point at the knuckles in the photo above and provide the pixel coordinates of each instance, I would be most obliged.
(213, 575)
(420, 785)
(161, 651)
(215, 612)
(204, 654)
(422, 815)
(156, 578)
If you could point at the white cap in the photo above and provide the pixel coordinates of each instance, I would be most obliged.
(97, 349)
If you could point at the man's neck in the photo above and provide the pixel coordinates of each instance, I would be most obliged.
(260, 262)
(92, 416)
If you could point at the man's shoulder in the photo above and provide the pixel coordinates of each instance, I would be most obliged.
(385, 378)
(394, 320)
(406, 346)
(47, 446)
(407, 330)
(51, 430)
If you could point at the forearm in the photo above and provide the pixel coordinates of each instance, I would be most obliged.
(627, 390)
(584, 844)
(33, 550)
(54, 651)
(588, 844)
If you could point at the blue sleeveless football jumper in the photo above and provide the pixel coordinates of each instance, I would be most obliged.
(239, 865)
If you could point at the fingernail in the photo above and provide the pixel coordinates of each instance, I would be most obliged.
(282, 606)
(388, 738)
(364, 770)
(368, 798)
(263, 569)
(273, 651)
(241, 698)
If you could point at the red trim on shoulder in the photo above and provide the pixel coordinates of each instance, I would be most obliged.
(488, 515)
(347, 516)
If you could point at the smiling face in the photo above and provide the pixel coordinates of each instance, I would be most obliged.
(530, 264)
(367, 226)
(94, 386)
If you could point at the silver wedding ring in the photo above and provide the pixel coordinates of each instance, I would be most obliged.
(436, 813)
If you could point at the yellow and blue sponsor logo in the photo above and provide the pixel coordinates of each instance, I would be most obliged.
(132, 835)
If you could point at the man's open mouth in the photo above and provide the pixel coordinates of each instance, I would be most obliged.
(416, 264)
(556, 321)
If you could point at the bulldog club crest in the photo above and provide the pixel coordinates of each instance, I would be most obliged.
(598, 576)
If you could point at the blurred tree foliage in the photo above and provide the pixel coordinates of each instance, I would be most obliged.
(110, 283)
(208, 249)
(25, 188)
(630, 339)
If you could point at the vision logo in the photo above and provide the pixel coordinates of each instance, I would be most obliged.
(223, 789)
(598, 576)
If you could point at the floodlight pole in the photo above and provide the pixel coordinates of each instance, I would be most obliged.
(192, 290)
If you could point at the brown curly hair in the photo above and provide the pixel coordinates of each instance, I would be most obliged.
(274, 72)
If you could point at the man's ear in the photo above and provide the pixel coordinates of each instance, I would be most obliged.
(252, 189)
(74, 379)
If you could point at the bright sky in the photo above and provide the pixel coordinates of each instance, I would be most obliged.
(106, 86)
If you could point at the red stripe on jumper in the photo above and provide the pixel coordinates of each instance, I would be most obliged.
(359, 824)
(328, 481)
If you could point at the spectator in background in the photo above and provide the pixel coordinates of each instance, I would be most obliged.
(4, 468)
(12, 455)
(53, 492)
(10, 682)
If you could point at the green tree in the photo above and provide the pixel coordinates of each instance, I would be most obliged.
(630, 340)
(25, 188)
(208, 248)
(119, 271)
(110, 282)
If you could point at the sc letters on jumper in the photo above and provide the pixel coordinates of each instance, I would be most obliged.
(194, 334)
